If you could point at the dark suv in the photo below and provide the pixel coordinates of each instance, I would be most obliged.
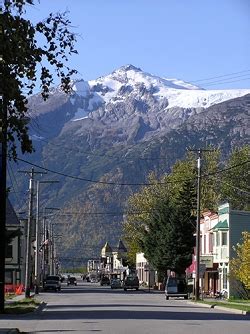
(176, 287)
(71, 280)
(52, 282)
(104, 280)
(131, 282)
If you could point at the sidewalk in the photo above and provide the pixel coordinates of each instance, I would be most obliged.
(232, 309)
(17, 298)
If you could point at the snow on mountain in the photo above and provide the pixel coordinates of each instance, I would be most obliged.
(111, 88)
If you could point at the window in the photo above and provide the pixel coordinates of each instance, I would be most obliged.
(224, 238)
(9, 251)
(8, 277)
(211, 242)
(204, 247)
(217, 239)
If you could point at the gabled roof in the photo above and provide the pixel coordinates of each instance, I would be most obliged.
(121, 247)
(221, 225)
(106, 249)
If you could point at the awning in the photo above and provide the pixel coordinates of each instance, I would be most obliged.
(221, 225)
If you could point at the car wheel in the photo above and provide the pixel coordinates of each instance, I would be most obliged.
(185, 297)
(125, 289)
(136, 289)
(167, 297)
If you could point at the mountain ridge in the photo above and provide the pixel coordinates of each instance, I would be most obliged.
(120, 139)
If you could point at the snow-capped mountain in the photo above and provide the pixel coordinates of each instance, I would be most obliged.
(115, 87)
(119, 128)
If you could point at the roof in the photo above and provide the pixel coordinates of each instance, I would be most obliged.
(121, 247)
(221, 225)
(106, 249)
(11, 217)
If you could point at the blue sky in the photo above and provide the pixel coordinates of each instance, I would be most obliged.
(184, 39)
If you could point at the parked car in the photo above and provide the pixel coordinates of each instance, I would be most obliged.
(176, 287)
(116, 283)
(52, 282)
(71, 281)
(131, 282)
(104, 280)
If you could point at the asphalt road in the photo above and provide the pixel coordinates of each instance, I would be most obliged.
(89, 308)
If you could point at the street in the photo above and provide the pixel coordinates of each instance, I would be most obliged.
(88, 308)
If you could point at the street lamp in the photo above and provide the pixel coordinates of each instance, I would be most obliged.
(38, 233)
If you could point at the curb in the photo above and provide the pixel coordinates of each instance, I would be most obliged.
(218, 307)
(199, 304)
(9, 331)
(232, 310)
(41, 306)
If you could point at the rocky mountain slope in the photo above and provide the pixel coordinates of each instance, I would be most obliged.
(106, 137)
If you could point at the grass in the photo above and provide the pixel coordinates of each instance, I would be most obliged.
(23, 306)
(241, 301)
(9, 296)
(228, 304)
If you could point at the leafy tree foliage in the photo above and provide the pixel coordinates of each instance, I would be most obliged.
(215, 187)
(240, 265)
(25, 62)
(168, 240)
(235, 182)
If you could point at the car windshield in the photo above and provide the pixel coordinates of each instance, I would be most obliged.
(53, 278)
(171, 282)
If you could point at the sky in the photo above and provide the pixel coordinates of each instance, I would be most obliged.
(186, 39)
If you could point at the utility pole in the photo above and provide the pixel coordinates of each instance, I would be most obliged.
(3, 155)
(197, 268)
(29, 234)
(37, 265)
(197, 243)
(28, 244)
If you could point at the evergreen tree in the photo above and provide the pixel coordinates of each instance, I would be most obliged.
(168, 240)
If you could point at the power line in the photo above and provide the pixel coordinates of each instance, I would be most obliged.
(211, 84)
(234, 77)
(220, 76)
(128, 184)
(237, 188)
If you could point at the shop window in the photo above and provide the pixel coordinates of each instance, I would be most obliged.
(224, 238)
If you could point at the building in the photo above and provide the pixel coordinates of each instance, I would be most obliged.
(219, 233)
(114, 259)
(15, 250)
(145, 273)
